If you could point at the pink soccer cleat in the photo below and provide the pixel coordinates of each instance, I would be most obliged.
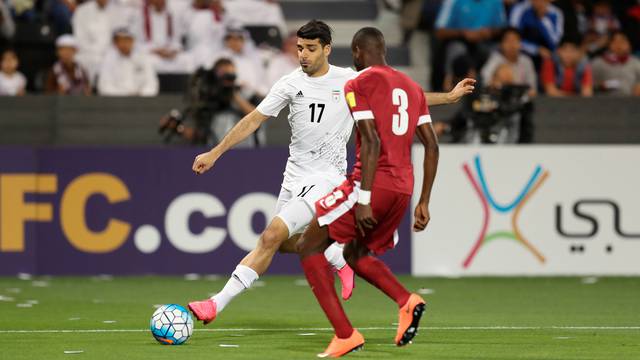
(205, 310)
(347, 278)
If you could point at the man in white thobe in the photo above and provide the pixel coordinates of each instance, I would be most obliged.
(93, 25)
(126, 72)
(158, 36)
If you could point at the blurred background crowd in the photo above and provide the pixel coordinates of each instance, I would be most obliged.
(236, 49)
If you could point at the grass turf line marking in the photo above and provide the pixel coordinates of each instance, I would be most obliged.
(331, 329)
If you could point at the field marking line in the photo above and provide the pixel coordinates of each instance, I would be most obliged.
(53, 331)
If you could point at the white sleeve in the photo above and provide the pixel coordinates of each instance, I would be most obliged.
(276, 99)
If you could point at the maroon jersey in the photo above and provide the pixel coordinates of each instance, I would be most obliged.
(398, 106)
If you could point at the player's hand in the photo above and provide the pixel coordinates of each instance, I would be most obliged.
(204, 162)
(422, 217)
(364, 218)
(464, 87)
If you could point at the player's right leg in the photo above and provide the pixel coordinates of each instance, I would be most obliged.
(312, 246)
(293, 216)
(246, 273)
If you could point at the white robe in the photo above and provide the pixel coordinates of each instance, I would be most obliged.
(204, 34)
(162, 38)
(127, 75)
(93, 29)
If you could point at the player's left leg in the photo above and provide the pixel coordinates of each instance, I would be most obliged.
(389, 207)
(312, 246)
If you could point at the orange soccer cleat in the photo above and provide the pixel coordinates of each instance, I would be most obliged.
(205, 310)
(347, 278)
(339, 347)
(409, 318)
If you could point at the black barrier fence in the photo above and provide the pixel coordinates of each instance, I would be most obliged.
(51, 120)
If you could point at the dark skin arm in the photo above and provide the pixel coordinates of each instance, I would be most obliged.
(369, 152)
(431, 154)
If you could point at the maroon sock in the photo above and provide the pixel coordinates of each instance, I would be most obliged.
(380, 276)
(320, 278)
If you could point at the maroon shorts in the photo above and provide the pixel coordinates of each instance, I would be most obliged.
(337, 211)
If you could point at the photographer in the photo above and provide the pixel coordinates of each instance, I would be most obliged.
(215, 103)
(496, 113)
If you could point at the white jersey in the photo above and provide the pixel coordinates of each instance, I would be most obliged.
(319, 119)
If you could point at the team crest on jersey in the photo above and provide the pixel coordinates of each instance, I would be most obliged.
(335, 95)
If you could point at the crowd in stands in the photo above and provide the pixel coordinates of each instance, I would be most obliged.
(119, 47)
(559, 48)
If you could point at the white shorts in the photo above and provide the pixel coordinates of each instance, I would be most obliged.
(297, 207)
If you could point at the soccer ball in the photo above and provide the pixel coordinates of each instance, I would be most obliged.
(171, 324)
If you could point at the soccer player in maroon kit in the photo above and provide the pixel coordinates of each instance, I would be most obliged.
(365, 211)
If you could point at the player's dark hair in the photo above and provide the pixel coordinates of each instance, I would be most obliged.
(316, 29)
(369, 39)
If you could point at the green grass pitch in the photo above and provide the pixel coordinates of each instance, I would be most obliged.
(471, 318)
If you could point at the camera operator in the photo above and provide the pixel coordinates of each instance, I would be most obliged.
(215, 103)
(495, 114)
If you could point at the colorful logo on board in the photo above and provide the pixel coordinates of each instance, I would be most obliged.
(479, 184)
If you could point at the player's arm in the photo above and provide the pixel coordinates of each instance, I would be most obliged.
(245, 127)
(369, 152)
(464, 87)
(431, 154)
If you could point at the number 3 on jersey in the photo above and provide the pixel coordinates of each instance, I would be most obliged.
(401, 119)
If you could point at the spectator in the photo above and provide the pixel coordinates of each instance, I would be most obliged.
(67, 77)
(568, 72)
(12, 82)
(125, 72)
(239, 48)
(61, 13)
(7, 26)
(156, 32)
(93, 24)
(575, 17)
(285, 62)
(602, 24)
(618, 71)
(509, 53)
(23, 10)
(203, 25)
(541, 25)
(468, 26)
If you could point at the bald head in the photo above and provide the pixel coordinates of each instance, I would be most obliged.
(368, 48)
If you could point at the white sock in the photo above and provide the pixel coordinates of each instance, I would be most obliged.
(334, 256)
(241, 279)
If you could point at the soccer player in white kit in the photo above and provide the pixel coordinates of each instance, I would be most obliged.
(321, 126)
